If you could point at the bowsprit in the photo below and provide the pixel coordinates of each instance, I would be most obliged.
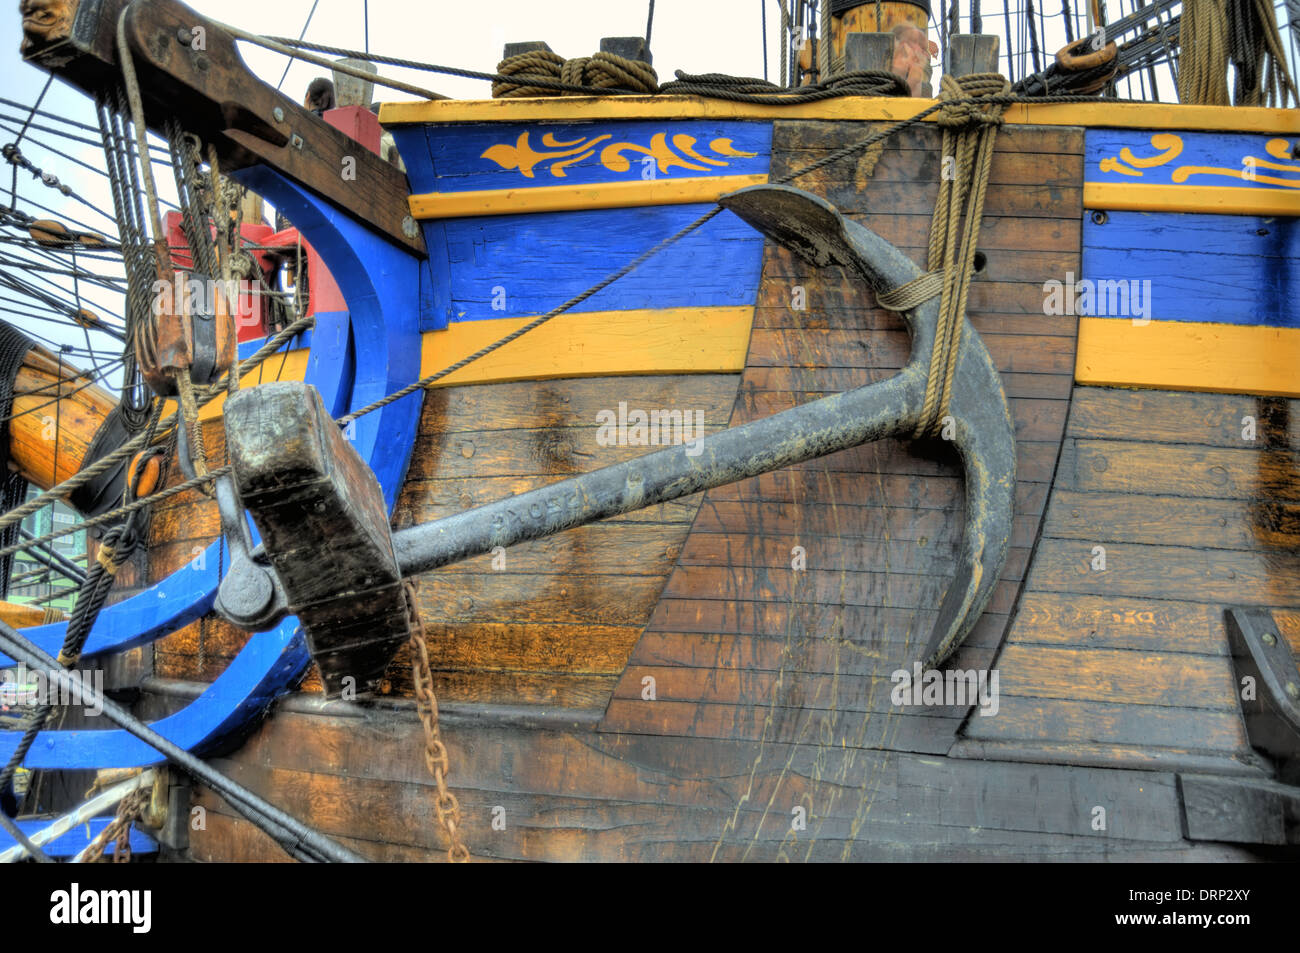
(301, 483)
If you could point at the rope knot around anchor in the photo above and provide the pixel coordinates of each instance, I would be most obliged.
(969, 130)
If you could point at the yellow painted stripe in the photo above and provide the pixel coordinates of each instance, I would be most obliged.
(1222, 200)
(1181, 355)
(280, 367)
(594, 344)
(562, 198)
(670, 341)
(584, 108)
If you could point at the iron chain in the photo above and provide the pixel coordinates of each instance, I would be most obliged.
(435, 752)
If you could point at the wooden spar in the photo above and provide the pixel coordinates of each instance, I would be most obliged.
(21, 616)
(57, 411)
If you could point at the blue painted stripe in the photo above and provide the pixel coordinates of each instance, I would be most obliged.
(460, 157)
(528, 264)
(73, 841)
(1221, 269)
(1200, 151)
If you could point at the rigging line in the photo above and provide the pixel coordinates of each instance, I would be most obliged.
(46, 114)
(41, 294)
(365, 15)
(650, 22)
(63, 215)
(160, 155)
(310, 14)
(1006, 15)
(762, 6)
(13, 189)
(108, 281)
(11, 827)
(280, 339)
(32, 112)
(290, 47)
(54, 559)
(61, 321)
(297, 838)
(15, 157)
(76, 291)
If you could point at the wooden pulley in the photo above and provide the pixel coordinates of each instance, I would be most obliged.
(191, 332)
(144, 472)
(1079, 56)
(52, 234)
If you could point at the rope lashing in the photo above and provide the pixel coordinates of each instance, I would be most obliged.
(969, 132)
(596, 72)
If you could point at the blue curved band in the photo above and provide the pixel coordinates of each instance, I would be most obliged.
(356, 358)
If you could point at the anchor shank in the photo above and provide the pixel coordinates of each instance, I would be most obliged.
(781, 440)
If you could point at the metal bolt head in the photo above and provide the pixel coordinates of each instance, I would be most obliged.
(296, 141)
(278, 113)
(184, 35)
(409, 228)
(1268, 638)
(1293, 689)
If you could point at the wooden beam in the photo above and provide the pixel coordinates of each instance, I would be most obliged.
(972, 53)
(57, 411)
(868, 51)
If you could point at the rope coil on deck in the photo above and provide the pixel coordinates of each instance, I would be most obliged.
(585, 75)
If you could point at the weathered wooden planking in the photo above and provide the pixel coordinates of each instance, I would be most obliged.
(562, 403)
(1215, 420)
(791, 138)
(1218, 576)
(1203, 472)
(875, 526)
(1175, 520)
(801, 621)
(629, 798)
(1192, 516)
(529, 625)
(837, 379)
(890, 349)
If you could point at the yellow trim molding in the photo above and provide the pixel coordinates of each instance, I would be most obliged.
(1181, 355)
(1216, 199)
(595, 344)
(583, 108)
(563, 198)
(291, 366)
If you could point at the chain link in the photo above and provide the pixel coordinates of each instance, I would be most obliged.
(435, 752)
(129, 809)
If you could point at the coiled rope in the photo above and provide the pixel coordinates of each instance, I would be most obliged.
(584, 75)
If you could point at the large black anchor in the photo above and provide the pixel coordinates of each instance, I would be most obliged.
(339, 568)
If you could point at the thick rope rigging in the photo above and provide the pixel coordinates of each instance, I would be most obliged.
(969, 133)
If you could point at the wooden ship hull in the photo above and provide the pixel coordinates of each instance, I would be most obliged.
(718, 677)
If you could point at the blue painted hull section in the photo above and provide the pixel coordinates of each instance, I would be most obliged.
(1222, 269)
